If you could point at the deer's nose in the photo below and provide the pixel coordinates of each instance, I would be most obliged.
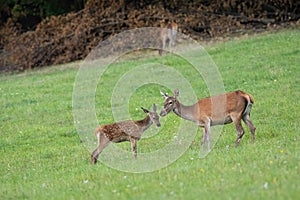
(163, 113)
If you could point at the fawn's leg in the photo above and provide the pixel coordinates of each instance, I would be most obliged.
(133, 145)
(102, 143)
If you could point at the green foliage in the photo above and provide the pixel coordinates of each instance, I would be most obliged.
(42, 156)
(30, 12)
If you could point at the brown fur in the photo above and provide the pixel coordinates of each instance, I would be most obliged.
(129, 130)
(217, 110)
(168, 36)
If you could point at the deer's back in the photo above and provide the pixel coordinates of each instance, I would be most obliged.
(219, 108)
(121, 131)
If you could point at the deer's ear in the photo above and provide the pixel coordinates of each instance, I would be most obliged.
(154, 107)
(176, 93)
(163, 94)
(145, 110)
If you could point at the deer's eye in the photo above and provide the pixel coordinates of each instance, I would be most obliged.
(170, 103)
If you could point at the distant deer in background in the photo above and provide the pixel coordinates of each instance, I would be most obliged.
(129, 130)
(229, 107)
(168, 36)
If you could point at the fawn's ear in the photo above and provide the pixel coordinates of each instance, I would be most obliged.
(154, 107)
(176, 93)
(163, 94)
(145, 110)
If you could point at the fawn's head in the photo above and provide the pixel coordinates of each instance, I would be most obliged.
(154, 117)
(170, 103)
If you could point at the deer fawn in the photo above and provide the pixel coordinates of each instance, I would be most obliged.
(229, 107)
(129, 130)
(168, 35)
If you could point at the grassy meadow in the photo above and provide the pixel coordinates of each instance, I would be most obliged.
(43, 156)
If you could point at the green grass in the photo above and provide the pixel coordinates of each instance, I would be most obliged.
(43, 157)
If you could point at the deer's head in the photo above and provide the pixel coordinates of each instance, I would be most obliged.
(154, 117)
(170, 102)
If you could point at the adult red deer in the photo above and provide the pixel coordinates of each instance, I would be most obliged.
(129, 130)
(168, 36)
(229, 107)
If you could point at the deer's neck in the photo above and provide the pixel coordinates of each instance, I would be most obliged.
(144, 123)
(185, 112)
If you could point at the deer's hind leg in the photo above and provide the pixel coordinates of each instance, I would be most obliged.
(102, 143)
(246, 119)
(239, 129)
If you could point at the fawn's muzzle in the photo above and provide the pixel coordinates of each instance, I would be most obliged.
(163, 113)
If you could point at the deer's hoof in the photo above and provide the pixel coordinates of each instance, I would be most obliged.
(93, 160)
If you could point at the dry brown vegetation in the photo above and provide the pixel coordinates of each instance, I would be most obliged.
(62, 39)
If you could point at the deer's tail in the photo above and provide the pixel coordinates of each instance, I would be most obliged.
(250, 100)
(98, 130)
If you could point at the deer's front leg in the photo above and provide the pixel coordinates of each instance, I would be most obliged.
(203, 139)
(208, 137)
(205, 134)
(133, 145)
